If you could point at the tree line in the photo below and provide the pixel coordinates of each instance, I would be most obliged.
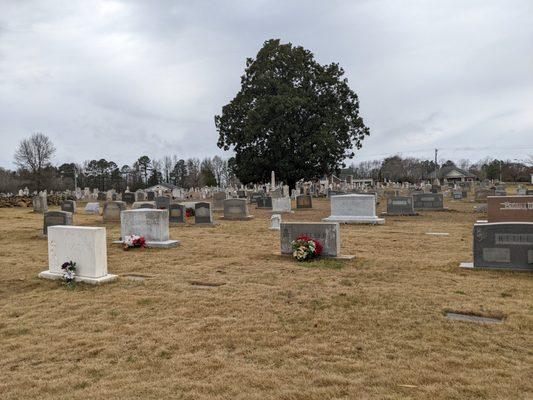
(36, 171)
(410, 169)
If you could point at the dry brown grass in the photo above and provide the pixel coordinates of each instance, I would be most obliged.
(372, 328)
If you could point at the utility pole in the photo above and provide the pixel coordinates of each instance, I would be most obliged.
(436, 166)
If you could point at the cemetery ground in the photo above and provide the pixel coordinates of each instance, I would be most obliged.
(224, 317)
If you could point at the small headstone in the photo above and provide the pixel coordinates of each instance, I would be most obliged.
(40, 204)
(281, 205)
(218, 201)
(177, 213)
(86, 246)
(102, 196)
(241, 194)
(69, 206)
(304, 201)
(150, 195)
(264, 202)
(254, 196)
(92, 208)
(128, 197)
(457, 195)
(480, 195)
(162, 202)
(112, 210)
(53, 218)
(236, 209)
(275, 222)
(202, 214)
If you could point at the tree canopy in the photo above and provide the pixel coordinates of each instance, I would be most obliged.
(292, 116)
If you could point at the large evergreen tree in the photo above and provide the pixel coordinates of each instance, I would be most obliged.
(292, 116)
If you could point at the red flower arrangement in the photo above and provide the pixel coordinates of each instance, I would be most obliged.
(133, 241)
(304, 248)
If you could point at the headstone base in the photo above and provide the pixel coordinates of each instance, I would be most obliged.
(247, 218)
(206, 225)
(92, 281)
(167, 244)
(349, 219)
(343, 257)
(406, 214)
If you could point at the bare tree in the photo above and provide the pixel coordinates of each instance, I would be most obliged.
(167, 168)
(34, 155)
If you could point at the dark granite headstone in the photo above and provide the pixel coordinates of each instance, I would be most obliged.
(529, 192)
(264, 202)
(162, 202)
(128, 197)
(428, 202)
(254, 196)
(304, 201)
(504, 245)
(69, 206)
(146, 205)
(52, 218)
(457, 195)
(102, 196)
(202, 213)
(241, 194)
(150, 195)
(435, 189)
(176, 213)
(400, 205)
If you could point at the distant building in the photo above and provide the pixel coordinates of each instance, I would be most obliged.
(452, 175)
(161, 187)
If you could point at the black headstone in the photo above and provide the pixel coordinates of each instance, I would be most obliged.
(151, 196)
(162, 202)
(176, 213)
(503, 245)
(128, 197)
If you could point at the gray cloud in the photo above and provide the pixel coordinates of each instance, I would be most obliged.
(118, 79)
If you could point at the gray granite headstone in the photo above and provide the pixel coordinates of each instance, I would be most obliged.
(241, 194)
(503, 245)
(112, 210)
(304, 201)
(69, 206)
(236, 209)
(218, 201)
(428, 201)
(326, 233)
(400, 205)
(202, 213)
(177, 213)
(40, 204)
(52, 218)
(162, 202)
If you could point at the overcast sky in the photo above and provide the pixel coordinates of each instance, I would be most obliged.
(119, 79)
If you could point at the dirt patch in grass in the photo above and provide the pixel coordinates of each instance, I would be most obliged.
(277, 329)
